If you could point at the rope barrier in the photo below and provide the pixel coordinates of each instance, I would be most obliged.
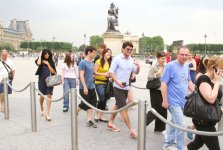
(18, 90)
(138, 87)
(185, 129)
(52, 100)
(106, 112)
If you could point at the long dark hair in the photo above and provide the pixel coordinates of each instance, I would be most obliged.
(103, 59)
(69, 61)
(47, 51)
(201, 65)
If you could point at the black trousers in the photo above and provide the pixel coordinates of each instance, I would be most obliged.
(210, 141)
(156, 103)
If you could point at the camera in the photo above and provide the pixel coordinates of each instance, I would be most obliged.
(124, 84)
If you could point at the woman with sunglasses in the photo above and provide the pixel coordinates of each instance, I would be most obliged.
(46, 67)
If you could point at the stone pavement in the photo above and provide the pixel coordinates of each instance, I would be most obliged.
(15, 133)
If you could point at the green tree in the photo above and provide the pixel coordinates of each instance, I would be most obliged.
(7, 46)
(157, 43)
(82, 48)
(95, 40)
(144, 44)
(152, 44)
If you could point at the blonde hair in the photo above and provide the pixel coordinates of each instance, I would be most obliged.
(214, 61)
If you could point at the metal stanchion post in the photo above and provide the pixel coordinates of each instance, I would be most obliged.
(141, 125)
(74, 135)
(33, 107)
(220, 123)
(6, 98)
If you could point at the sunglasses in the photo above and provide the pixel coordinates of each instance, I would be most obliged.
(129, 49)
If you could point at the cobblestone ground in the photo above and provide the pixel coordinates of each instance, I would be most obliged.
(15, 133)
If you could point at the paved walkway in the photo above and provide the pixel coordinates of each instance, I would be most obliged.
(15, 133)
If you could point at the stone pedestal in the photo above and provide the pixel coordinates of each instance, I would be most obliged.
(113, 40)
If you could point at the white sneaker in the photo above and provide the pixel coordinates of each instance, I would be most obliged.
(170, 148)
(164, 134)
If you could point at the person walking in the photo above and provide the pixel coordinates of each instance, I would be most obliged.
(209, 87)
(156, 99)
(121, 68)
(175, 82)
(6, 67)
(87, 87)
(46, 67)
(101, 68)
(193, 67)
(69, 76)
(101, 48)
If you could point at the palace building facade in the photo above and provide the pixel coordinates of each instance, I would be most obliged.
(17, 32)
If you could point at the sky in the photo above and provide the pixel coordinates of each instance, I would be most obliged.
(69, 20)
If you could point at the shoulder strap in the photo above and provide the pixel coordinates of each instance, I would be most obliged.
(6, 67)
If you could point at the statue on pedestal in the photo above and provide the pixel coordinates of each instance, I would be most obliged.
(112, 18)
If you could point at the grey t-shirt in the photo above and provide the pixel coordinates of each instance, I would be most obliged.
(87, 67)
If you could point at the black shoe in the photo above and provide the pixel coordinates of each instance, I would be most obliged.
(103, 120)
(91, 124)
(65, 109)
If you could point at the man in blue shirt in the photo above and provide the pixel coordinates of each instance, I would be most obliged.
(175, 82)
(121, 68)
(87, 87)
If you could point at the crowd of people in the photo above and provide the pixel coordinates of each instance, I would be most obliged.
(92, 71)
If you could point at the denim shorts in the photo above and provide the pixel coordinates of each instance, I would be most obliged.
(2, 88)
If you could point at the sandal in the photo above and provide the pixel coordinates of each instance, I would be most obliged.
(48, 118)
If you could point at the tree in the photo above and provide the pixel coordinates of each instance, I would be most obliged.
(144, 44)
(151, 44)
(157, 43)
(82, 48)
(7, 46)
(95, 40)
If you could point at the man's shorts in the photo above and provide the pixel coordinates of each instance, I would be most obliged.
(91, 98)
(2, 88)
(120, 97)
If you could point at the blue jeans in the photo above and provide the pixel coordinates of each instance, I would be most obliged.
(173, 134)
(69, 83)
(100, 89)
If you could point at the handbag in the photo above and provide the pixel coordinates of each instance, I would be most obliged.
(109, 92)
(153, 84)
(198, 108)
(53, 80)
(10, 76)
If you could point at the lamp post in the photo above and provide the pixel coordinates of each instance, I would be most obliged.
(28, 44)
(45, 43)
(84, 39)
(33, 44)
(53, 43)
(205, 37)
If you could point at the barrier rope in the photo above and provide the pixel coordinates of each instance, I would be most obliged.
(185, 129)
(52, 100)
(106, 112)
(138, 87)
(18, 90)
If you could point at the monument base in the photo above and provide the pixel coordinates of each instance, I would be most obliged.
(113, 40)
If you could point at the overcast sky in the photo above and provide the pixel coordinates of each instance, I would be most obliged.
(69, 20)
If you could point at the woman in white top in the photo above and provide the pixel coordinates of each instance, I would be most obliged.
(193, 68)
(69, 76)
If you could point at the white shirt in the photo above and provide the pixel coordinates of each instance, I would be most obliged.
(69, 72)
(3, 71)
